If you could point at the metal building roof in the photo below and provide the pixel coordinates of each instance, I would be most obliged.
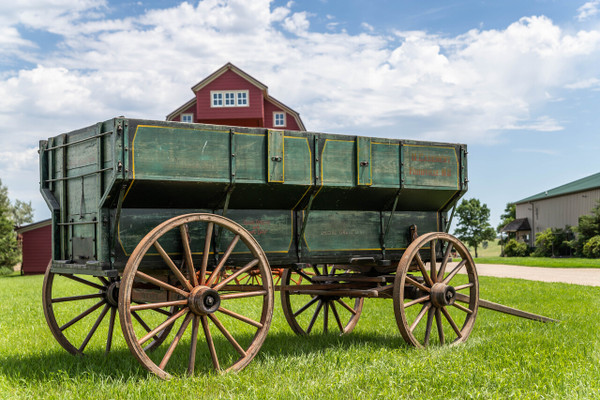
(580, 185)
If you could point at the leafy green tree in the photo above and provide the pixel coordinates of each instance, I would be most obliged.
(510, 214)
(473, 225)
(553, 242)
(591, 248)
(21, 213)
(9, 249)
(588, 227)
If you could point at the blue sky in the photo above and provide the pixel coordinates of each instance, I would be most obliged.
(517, 81)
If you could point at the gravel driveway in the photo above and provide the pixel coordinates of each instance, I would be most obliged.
(578, 276)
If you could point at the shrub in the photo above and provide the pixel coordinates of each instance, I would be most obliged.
(515, 249)
(553, 242)
(5, 271)
(591, 248)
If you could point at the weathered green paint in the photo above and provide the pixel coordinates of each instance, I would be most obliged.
(267, 179)
(363, 161)
(275, 157)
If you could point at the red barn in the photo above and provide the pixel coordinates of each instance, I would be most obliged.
(230, 96)
(36, 240)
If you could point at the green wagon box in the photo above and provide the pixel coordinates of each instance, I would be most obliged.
(193, 227)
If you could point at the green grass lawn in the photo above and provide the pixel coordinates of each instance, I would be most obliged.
(505, 357)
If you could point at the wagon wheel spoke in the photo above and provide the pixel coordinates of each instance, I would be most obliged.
(84, 281)
(420, 316)
(210, 343)
(187, 251)
(434, 290)
(206, 252)
(240, 317)
(111, 327)
(432, 256)
(82, 315)
(445, 262)
(158, 282)
(428, 327)
(80, 297)
(193, 345)
(232, 277)
(423, 270)
(306, 306)
(417, 301)
(212, 278)
(325, 316)
(196, 298)
(440, 327)
(228, 335)
(162, 326)
(186, 283)
(314, 317)
(337, 317)
(451, 321)
(105, 281)
(94, 327)
(175, 341)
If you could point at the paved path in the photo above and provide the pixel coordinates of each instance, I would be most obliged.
(578, 276)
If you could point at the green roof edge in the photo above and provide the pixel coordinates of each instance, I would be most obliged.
(589, 182)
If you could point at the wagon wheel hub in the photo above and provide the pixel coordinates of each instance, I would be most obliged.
(204, 300)
(442, 295)
(111, 294)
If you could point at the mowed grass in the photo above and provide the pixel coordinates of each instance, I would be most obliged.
(491, 255)
(505, 357)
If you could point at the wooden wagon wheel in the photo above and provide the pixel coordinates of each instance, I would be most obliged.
(203, 300)
(304, 311)
(68, 301)
(427, 291)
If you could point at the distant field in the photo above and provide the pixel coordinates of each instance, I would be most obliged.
(505, 357)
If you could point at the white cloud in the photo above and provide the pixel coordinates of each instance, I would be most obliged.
(469, 88)
(588, 10)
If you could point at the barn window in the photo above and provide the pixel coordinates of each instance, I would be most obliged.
(242, 98)
(187, 117)
(278, 119)
(217, 99)
(229, 98)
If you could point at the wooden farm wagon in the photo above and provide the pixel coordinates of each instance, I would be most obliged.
(180, 228)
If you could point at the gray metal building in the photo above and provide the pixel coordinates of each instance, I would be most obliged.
(558, 207)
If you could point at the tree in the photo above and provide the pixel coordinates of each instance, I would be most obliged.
(473, 225)
(588, 227)
(510, 214)
(21, 213)
(9, 249)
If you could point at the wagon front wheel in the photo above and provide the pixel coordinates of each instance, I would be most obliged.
(191, 263)
(436, 297)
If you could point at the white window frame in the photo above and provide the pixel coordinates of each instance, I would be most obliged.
(275, 124)
(229, 98)
(190, 115)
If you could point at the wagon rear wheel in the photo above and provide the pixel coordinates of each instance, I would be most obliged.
(310, 313)
(233, 318)
(81, 311)
(434, 293)
(75, 307)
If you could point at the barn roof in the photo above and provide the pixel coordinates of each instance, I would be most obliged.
(580, 185)
(518, 225)
(35, 225)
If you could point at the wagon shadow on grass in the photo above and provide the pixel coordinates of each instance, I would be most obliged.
(56, 364)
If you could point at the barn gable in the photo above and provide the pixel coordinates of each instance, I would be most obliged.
(229, 96)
